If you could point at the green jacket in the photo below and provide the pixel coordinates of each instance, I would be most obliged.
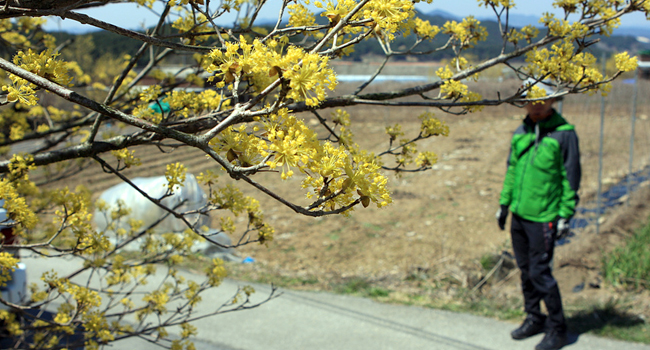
(544, 172)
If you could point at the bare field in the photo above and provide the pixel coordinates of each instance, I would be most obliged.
(429, 243)
(431, 240)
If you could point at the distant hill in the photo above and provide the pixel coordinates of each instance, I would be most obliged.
(443, 14)
(633, 31)
(624, 40)
(523, 20)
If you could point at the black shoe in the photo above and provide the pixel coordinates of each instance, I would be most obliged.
(527, 329)
(553, 340)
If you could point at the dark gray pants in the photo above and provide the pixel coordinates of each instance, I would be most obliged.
(533, 243)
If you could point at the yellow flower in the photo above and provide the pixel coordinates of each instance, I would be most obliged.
(453, 89)
(7, 264)
(432, 126)
(394, 131)
(444, 73)
(426, 159)
(389, 15)
(216, 272)
(309, 78)
(625, 63)
(175, 175)
(300, 16)
(425, 30)
(466, 33)
(341, 117)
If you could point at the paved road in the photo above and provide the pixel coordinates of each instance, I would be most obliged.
(308, 320)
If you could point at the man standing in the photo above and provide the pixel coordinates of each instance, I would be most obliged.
(540, 188)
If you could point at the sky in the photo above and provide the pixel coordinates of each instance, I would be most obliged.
(132, 16)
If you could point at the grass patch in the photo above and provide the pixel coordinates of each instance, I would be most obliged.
(249, 273)
(500, 309)
(333, 236)
(372, 226)
(480, 305)
(377, 292)
(289, 249)
(285, 281)
(629, 264)
(611, 320)
(489, 261)
(361, 287)
(353, 286)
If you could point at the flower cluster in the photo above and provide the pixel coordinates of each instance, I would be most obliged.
(300, 16)
(536, 92)
(175, 176)
(44, 64)
(526, 33)
(15, 33)
(186, 102)
(232, 199)
(472, 96)
(335, 12)
(290, 145)
(426, 159)
(562, 63)
(394, 132)
(192, 24)
(81, 301)
(308, 74)
(216, 272)
(127, 158)
(594, 9)
(424, 29)
(625, 63)
(498, 3)
(466, 33)
(341, 117)
(239, 146)
(389, 15)
(309, 78)
(453, 89)
(97, 329)
(290, 141)
(7, 264)
(17, 208)
(432, 126)
(73, 215)
(10, 323)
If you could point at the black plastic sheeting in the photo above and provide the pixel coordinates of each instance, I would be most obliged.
(608, 199)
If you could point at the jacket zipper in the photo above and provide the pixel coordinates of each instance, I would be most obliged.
(521, 183)
(532, 157)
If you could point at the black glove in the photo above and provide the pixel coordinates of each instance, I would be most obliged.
(502, 215)
(563, 228)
